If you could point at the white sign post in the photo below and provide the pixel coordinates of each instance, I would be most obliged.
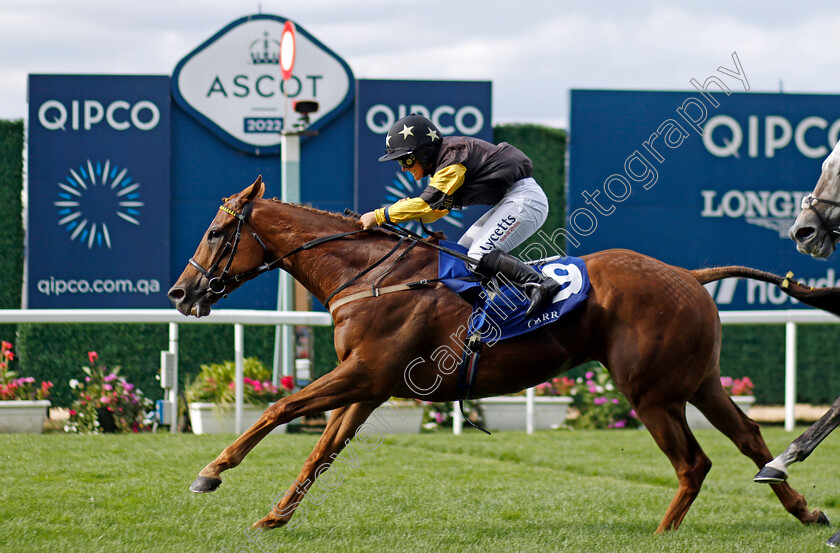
(284, 336)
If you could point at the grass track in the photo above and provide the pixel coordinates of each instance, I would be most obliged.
(553, 491)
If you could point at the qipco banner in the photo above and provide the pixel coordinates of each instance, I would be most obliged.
(701, 179)
(455, 107)
(98, 209)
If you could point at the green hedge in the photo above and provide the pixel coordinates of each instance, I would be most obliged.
(11, 231)
(758, 351)
(547, 149)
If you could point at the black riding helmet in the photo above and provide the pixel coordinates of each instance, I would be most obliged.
(413, 134)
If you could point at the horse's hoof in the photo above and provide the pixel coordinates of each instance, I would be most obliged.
(205, 484)
(822, 519)
(769, 475)
(834, 540)
(267, 524)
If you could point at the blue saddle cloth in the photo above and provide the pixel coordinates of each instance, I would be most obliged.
(501, 316)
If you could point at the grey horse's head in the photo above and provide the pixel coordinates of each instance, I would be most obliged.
(815, 230)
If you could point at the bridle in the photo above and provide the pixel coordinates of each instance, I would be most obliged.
(810, 202)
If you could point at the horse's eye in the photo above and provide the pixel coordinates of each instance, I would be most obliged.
(213, 234)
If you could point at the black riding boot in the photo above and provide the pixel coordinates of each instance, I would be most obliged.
(539, 288)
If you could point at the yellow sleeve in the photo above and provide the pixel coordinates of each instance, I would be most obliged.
(441, 185)
(408, 209)
(449, 179)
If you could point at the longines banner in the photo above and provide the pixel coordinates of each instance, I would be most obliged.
(700, 180)
(98, 214)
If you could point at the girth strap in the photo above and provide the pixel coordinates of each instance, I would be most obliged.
(376, 292)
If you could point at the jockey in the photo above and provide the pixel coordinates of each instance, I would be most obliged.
(470, 171)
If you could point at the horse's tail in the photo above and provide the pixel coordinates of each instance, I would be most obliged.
(827, 299)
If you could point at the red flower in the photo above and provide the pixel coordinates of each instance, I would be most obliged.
(287, 382)
(92, 356)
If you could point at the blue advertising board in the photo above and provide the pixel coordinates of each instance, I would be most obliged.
(700, 179)
(456, 107)
(98, 203)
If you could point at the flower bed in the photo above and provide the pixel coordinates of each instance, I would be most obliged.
(23, 401)
(211, 395)
(106, 402)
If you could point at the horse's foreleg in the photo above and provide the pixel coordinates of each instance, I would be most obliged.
(776, 470)
(344, 385)
(341, 428)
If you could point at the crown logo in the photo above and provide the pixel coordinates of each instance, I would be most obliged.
(265, 50)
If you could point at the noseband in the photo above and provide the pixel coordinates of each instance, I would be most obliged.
(810, 202)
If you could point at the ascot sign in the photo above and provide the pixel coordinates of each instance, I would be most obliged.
(233, 84)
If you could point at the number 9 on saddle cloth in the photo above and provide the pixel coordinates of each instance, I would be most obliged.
(500, 314)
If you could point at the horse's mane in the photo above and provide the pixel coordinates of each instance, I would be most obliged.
(315, 210)
(433, 239)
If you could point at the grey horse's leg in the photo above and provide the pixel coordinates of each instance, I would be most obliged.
(776, 470)
(834, 540)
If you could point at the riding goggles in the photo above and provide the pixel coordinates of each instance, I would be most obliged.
(407, 162)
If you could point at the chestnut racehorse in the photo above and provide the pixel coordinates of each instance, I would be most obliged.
(652, 325)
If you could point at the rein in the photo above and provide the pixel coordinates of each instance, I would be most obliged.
(218, 284)
(810, 201)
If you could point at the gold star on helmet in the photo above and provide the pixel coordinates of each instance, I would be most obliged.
(432, 134)
(388, 141)
(406, 132)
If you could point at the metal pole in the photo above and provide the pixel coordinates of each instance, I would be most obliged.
(238, 349)
(529, 410)
(173, 392)
(284, 357)
(457, 419)
(790, 375)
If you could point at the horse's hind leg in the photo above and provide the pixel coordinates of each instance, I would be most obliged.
(668, 427)
(346, 384)
(343, 425)
(718, 407)
(801, 447)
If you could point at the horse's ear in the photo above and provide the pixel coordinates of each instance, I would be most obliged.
(255, 191)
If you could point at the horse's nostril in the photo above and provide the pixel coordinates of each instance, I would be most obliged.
(803, 233)
(176, 294)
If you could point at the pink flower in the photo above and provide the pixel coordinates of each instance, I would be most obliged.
(599, 400)
(287, 382)
(620, 424)
(92, 356)
(615, 401)
(105, 399)
(107, 387)
(111, 377)
(127, 386)
(72, 412)
(589, 375)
